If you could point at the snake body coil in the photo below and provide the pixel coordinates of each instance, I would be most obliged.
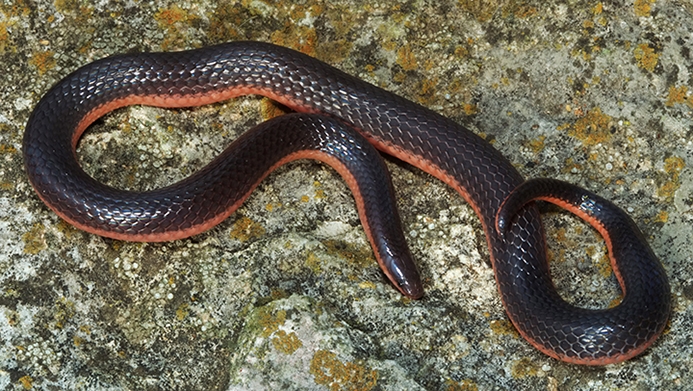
(392, 124)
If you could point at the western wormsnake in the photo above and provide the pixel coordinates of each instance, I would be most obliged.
(394, 125)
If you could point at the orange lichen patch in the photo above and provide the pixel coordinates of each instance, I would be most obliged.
(245, 229)
(223, 22)
(560, 234)
(26, 382)
(566, 125)
(334, 52)
(520, 10)
(503, 327)
(299, 37)
(299, 12)
(270, 322)
(536, 145)
(461, 52)
(272, 206)
(64, 311)
(77, 340)
(598, 8)
(470, 108)
(315, 10)
(524, 368)
(66, 5)
(303, 11)
(646, 57)
(586, 55)
(320, 194)
(485, 136)
(662, 217)
(388, 44)
(357, 255)
(464, 385)
(174, 20)
(457, 85)
(66, 228)
(481, 10)
(430, 64)
(571, 165)
(286, 343)
(17, 8)
(171, 16)
(7, 149)
(4, 36)
(406, 58)
(591, 251)
(269, 109)
(613, 303)
(673, 166)
(313, 263)
(427, 91)
(399, 17)
(604, 266)
(34, 240)
(668, 189)
(81, 9)
(643, 8)
(43, 61)
(13, 317)
(182, 311)
(327, 370)
(399, 77)
(593, 128)
(525, 11)
(277, 294)
(678, 95)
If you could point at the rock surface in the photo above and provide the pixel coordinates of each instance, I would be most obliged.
(286, 294)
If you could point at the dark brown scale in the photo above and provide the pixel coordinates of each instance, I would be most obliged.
(393, 124)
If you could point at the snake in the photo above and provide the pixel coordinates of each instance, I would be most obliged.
(345, 122)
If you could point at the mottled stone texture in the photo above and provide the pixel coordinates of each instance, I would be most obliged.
(285, 294)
